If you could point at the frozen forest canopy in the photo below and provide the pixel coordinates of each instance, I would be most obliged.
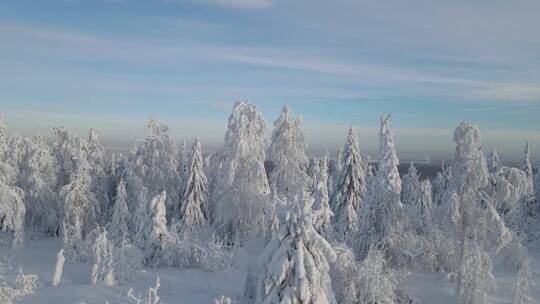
(333, 229)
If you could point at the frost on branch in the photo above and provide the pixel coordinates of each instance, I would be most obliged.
(295, 264)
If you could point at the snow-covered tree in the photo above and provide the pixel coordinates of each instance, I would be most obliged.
(67, 151)
(119, 226)
(3, 136)
(80, 209)
(321, 206)
(440, 184)
(157, 229)
(349, 191)
(295, 264)
(287, 154)
(194, 214)
(102, 265)
(410, 187)
(152, 167)
(377, 280)
(95, 154)
(183, 168)
(528, 168)
(344, 275)
(37, 178)
(12, 211)
(241, 195)
(493, 161)
(383, 218)
(475, 275)
(468, 215)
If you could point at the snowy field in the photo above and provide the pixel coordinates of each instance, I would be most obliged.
(196, 286)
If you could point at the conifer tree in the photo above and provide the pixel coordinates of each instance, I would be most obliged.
(194, 214)
(118, 227)
(350, 190)
(286, 152)
(295, 264)
(383, 218)
(321, 206)
(157, 229)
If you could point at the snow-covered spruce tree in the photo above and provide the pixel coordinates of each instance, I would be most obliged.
(241, 194)
(321, 206)
(152, 167)
(183, 170)
(295, 264)
(12, 210)
(410, 189)
(440, 184)
(493, 161)
(287, 154)
(349, 191)
(383, 218)
(95, 154)
(194, 214)
(102, 264)
(417, 200)
(475, 275)
(67, 151)
(119, 226)
(80, 209)
(157, 229)
(528, 168)
(468, 214)
(521, 292)
(3, 137)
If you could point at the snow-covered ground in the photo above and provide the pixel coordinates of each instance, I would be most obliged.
(192, 285)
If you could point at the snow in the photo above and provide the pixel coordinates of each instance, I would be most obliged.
(197, 286)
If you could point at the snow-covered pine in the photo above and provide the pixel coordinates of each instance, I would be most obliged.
(440, 184)
(58, 268)
(157, 230)
(475, 275)
(344, 274)
(321, 206)
(350, 189)
(241, 195)
(410, 187)
(80, 209)
(528, 168)
(417, 200)
(295, 264)
(288, 157)
(152, 167)
(119, 226)
(521, 292)
(67, 150)
(37, 179)
(95, 155)
(3, 136)
(194, 214)
(102, 264)
(12, 210)
(183, 173)
(493, 161)
(383, 218)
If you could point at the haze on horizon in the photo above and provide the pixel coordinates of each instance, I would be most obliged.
(112, 63)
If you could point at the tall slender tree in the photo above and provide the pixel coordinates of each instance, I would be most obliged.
(350, 190)
(194, 214)
(286, 152)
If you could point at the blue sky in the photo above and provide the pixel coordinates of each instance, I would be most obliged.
(432, 64)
